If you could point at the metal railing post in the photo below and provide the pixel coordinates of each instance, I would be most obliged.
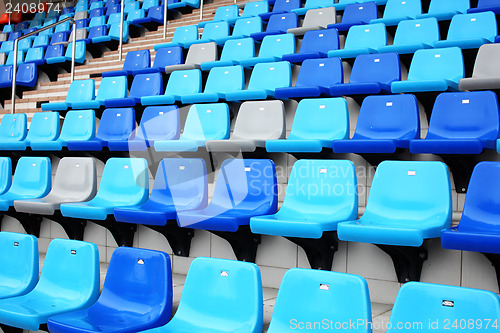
(201, 10)
(10, 11)
(121, 30)
(165, 11)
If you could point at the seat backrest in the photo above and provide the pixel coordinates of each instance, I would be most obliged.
(159, 123)
(383, 68)
(7, 46)
(10, 58)
(486, 3)
(255, 8)
(137, 60)
(282, 22)
(96, 12)
(114, 19)
(32, 177)
(285, 5)
(224, 13)
(321, 17)
(322, 72)
(146, 85)
(149, 3)
(433, 304)
(136, 14)
(81, 15)
(27, 74)
(6, 75)
(41, 41)
(3, 37)
(184, 82)
(62, 27)
(271, 75)
(6, 174)
(75, 179)
(321, 118)
(214, 30)
(114, 31)
(131, 6)
(185, 34)
(44, 127)
(13, 127)
(393, 117)
(167, 56)
(97, 21)
(309, 296)
(443, 6)
(277, 45)
(97, 31)
(199, 53)
(320, 41)
(80, 34)
(366, 36)
(476, 25)
(81, 90)
(225, 79)
(54, 51)
(156, 12)
(15, 35)
(207, 122)
(238, 298)
(238, 49)
(116, 124)
(360, 13)
(249, 124)
(246, 26)
(424, 31)
(78, 125)
(402, 8)
(465, 115)
(486, 64)
(430, 64)
(112, 87)
(24, 44)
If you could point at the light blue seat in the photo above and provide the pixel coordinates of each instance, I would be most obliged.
(149, 84)
(362, 39)
(109, 88)
(5, 174)
(32, 180)
(35, 55)
(113, 18)
(19, 254)
(313, 4)
(44, 127)
(265, 79)
(445, 10)
(310, 296)
(13, 130)
(413, 35)
(277, 24)
(399, 10)
(185, 4)
(223, 13)
(134, 15)
(79, 91)
(408, 203)
(7, 47)
(244, 27)
(77, 126)
(239, 299)
(97, 21)
(470, 31)
(234, 51)
(315, 44)
(131, 6)
(204, 122)
(185, 34)
(272, 49)
(254, 9)
(41, 41)
(180, 83)
(10, 58)
(420, 302)
(24, 44)
(433, 70)
(308, 214)
(213, 32)
(114, 34)
(220, 81)
(124, 182)
(316, 124)
(69, 282)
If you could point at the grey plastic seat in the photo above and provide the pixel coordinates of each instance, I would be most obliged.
(197, 54)
(81, 15)
(486, 74)
(315, 19)
(75, 181)
(255, 123)
(3, 58)
(3, 37)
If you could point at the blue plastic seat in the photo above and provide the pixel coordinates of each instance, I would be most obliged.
(356, 14)
(155, 16)
(223, 13)
(63, 27)
(239, 299)
(313, 4)
(315, 44)
(143, 85)
(316, 124)
(399, 10)
(113, 19)
(137, 295)
(280, 7)
(165, 56)
(15, 35)
(180, 83)
(44, 127)
(485, 6)
(234, 51)
(314, 79)
(96, 12)
(362, 39)
(420, 302)
(114, 9)
(19, 253)
(413, 35)
(40, 41)
(408, 203)
(278, 24)
(254, 8)
(445, 10)
(244, 27)
(82, 24)
(7, 46)
(136, 15)
(185, 34)
(10, 58)
(13, 130)
(147, 4)
(99, 31)
(80, 53)
(204, 122)
(79, 91)
(217, 32)
(371, 74)
(5, 76)
(59, 37)
(114, 34)
(109, 88)
(24, 44)
(469, 31)
(32, 180)
(433, 70)
(114, 130)
(461, 123)
(131, 6)
(385, 123)
(265, 79)
(124, 183)
(135, 60)
(27, 75)
(220, 81)
(272, 49)
(180, 185)
(97, 21)
(5, 174)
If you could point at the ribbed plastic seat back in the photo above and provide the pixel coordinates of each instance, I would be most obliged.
(19, 254)
(112, 87)
(309, 296)
(78, 126)
(255, 8)
(5, 174)
(116, 124)
(471, 30)
(225, 79)
(247, 26)
(13, 127)
(424, 304)
(184, 82)
(137, 60)
(270, 76)
(44, 127)
(486, 73)
(146, 85)
(383, 68)
(159, 123)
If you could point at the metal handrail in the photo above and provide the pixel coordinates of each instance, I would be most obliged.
(165, 12)
(14, 66)
(201, 10)
(120, 45)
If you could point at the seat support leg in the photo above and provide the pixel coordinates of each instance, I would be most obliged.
(408, 261)
(494, 258)
(30, 222)
(178, 238)
(74, 227)
(243, 242)
(123, 233)
(319, 251)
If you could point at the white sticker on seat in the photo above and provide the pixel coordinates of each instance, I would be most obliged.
(182, 167)
(388, 104)
(125, 166)
(118, 114)
(209, 111)
(322, 170)
(321, 35)
(322, 106)
(412, 173)
(271, 69)
(473, 20)
(367, 30)
(376, 60)
(224, 273)
(437, 56)
(247, 169)
(417, 25)
(34, 164)
(465, 101)
(321, 65)
(169, 51)
(324, 286)
(140, 261)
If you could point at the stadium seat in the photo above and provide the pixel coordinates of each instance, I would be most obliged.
(69, 281)
(114, 130)
(114, 34)
(131, 6)
(385, 123)
(249, 131)
(135, 15)
(314, 79)
(31, 180)
(44, 127)
(222, 14)
(137, 295)
(433, 70)
(184, 34)
(27, 75)
(143, 85)
(313, 4)
(7, 46)
(309, 296)
(234, 51)
(13, 130)
(461, 123)
(79, 91)
(40, 41)
(197, 54)
(470, 31)
(185, 4)
(135, 60)
(445, 10)
(124, 183)
(77, 126)
(217, 32)
(204, 122)
(277, 24)
(5, 76)
(485, 6)
(420, 302)
(315, 19)
(55, 54)
(371, 74)
(272, 49)
(6, 174)
(362, 39)
(96, 12)
(109, 88)
(399, 10)
(413, 35)
(10, 58)
(97, 21)
(75, 181)
(315, 44)
(486, 74)
(316, 124)
(99, 31)
(244, 27)
(165, 56)
(254, 9)
(14, 35)
(180, 83)
(153, 18)
(280, 7)
(220, 81)
(24, 44)
(239, 298)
